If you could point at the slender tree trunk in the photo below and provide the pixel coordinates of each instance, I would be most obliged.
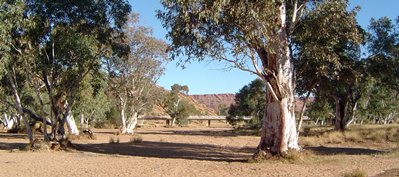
(37, 91)
(82, 120)
(173, 122)
(19, 106)
(123, 115)
(279, 133)
(302, 112)
(340, 113)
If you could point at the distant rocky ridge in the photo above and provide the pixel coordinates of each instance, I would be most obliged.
(202, 109)
(215, 101)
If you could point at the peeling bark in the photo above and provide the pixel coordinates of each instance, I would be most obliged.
(279, 132)
(131, 124)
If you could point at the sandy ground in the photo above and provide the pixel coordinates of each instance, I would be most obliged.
(182, 152)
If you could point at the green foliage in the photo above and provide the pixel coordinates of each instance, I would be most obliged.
(176, 107)
(132, 78)
(92, 102)
(249, 101)
(320, 109)
(56, 45)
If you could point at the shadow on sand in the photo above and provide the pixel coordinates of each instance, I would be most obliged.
(11, 146)
(172, 150)
(322, 150)
(219, 133)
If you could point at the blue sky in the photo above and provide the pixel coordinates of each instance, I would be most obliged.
(212, 77)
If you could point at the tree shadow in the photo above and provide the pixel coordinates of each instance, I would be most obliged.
(11, 146)
(172, 150)
(223, 133)
(322, 150)
(12, 136)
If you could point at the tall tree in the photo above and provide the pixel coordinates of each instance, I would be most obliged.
(249, 101)
(177, 108)
(12, 50)
(252, 36)
(327, 63)
(132, 79)
(63, 42)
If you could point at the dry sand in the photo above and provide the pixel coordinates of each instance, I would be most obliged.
(181, 152)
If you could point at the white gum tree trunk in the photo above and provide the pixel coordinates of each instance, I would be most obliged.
(131, 124)
(8, 121)
(279, 133)
(71, 124)
(19, 107)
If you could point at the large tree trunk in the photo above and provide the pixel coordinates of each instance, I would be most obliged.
(132, 122)
(340, 113)
(279, 133)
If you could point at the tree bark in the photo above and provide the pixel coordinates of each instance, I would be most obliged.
(340, 113)
(19, 105)
(302, 112)
(279, 133)
(8, 121)
(71, 124)
(132, 122)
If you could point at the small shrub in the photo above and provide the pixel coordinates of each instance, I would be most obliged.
(306, 131)
(114, 140)
(136, 139)
(356, 173)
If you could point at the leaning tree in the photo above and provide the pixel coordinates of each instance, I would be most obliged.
(253, 36)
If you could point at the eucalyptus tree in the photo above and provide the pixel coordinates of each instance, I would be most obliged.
(249, 101)
(383, 65)
(253, 36)
(327, 63)
(70, 38)
(132, 79)
(13, 47)
(175, 106)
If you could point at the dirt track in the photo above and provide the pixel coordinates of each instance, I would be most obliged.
(180, 152)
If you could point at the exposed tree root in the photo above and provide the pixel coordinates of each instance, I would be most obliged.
(290, 156)
(39, 145)
(86, 134)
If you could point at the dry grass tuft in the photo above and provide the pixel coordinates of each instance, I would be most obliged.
(136, 139)
(335, 137)
(356, 173)
(82, 137)
(295, 157)
(292, 156)
(114, 140)
(357, 134)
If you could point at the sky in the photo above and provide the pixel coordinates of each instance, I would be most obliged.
(213, 77)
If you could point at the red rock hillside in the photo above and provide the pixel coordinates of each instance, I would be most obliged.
(213, 101)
